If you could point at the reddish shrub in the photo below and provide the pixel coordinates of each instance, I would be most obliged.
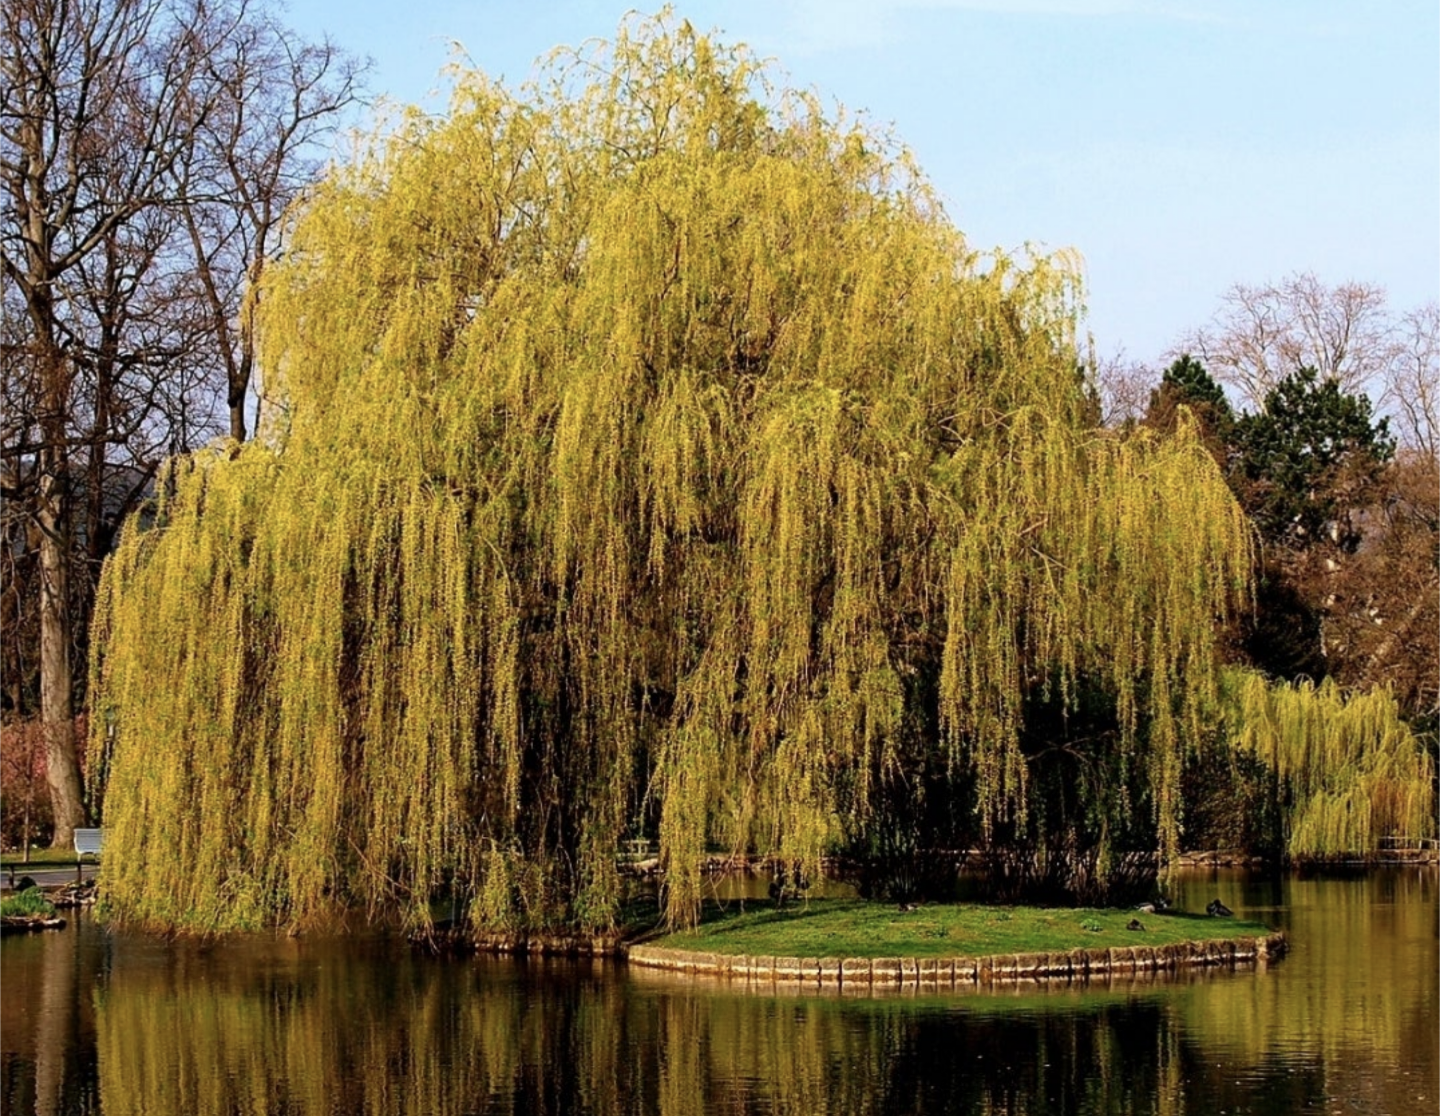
(24, 793)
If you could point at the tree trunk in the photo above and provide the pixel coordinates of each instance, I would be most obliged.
(1375, 665)
(62, 766)
(237, 415)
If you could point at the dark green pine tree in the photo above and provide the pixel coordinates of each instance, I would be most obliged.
(1187, 381)
(1303, 465)
(1187, 384)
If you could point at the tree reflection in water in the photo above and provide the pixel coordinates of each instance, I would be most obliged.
(328, 1027)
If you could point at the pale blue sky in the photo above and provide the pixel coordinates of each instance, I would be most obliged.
(1181, 147)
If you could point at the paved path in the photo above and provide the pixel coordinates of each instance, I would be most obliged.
(46, 876)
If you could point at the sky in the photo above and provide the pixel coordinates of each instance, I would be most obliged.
(1181, 147)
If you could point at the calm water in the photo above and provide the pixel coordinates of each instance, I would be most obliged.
(115, 1024)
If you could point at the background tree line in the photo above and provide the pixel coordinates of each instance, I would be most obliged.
(150, 150)
(1345, 500)
(1343, 491)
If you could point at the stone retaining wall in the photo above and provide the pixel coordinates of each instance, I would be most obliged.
(941, 974)
(533, 945)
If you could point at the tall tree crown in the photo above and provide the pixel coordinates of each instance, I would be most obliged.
(653, 452)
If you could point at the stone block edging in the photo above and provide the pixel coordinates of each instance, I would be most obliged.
(951, 973)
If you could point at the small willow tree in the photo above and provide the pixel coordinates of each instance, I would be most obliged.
(1345, 769)
(652, 446)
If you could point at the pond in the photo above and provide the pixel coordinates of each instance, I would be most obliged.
(94, 1022)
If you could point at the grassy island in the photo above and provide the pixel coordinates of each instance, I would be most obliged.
(855, 928)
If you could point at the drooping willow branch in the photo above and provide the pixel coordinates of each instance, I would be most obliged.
(648, 438)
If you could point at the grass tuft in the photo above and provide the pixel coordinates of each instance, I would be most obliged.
(26, 903)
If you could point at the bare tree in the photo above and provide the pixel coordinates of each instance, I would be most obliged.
(1123, 387)
(1412, 381)
(254, 152)
(91, 101)
(141, 193)
(1261, 334)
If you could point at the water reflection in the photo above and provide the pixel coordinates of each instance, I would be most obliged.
(117, 1024)
(1354, 1003)
(47, 1021)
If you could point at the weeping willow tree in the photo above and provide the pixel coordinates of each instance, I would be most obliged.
(652, 450)
(1345, 769)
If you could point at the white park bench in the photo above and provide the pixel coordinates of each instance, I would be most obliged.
(87, 843)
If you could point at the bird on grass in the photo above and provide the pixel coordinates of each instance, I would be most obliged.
(1218, 909)
(1155, 906)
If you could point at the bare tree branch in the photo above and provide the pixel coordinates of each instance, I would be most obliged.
(1261, 334)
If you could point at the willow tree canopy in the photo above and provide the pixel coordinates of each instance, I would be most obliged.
(1346, 769)
(651, 445)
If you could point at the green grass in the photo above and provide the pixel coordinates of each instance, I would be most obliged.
(31, 901)
(41, 858)
(854, 928)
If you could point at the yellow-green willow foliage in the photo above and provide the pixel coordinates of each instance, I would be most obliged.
(1348, 769)
(650, 444)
